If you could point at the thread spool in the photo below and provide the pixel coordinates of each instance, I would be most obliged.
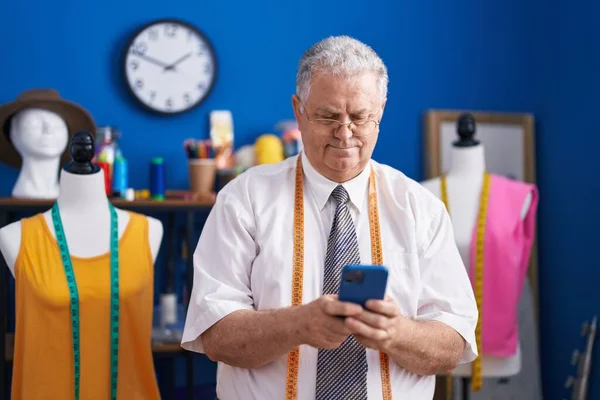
(119, 179)
(168, 309)
(129, 194)
(157, 179)
(106, 168)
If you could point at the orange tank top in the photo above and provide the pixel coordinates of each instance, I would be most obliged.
(43, 356)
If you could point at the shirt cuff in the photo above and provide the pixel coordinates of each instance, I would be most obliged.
(465, 329)
(205, 319)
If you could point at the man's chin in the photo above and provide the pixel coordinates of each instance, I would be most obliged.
(342, 164)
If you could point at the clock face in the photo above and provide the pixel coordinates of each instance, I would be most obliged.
(170, 66)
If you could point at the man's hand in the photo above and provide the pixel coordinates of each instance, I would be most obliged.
(420, 347)
(322, 321)
(378, 325)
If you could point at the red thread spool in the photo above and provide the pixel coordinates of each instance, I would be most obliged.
(106, 168)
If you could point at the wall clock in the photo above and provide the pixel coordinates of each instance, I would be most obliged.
(170, 66)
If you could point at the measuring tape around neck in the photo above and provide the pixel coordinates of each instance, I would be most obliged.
(74, 298)
(298, 275)
(476, 374)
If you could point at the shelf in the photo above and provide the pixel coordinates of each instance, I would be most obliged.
(156, 348)
(174, 201)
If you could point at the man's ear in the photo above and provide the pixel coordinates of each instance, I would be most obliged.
(297, 106)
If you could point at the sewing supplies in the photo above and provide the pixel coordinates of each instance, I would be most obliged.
(221, 128)
(290, 136)
(142, 194)
(201, 165)
(168, 309)
(269, 149)
(157, 179)
(476, 375)
(107, 148)
(201, 149)
(107, 181)
(221, 136)
(293, 360)
(119, 178)
(202, 174)
(130, 194)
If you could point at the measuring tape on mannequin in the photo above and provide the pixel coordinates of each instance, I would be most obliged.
(74, 298)
(476, 376)
(298, 276)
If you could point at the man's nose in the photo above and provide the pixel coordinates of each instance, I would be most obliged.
(344, 132)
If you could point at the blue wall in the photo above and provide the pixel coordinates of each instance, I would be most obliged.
(565, 97)
(505, 56)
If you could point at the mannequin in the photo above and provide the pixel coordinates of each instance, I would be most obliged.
(77, 304)
(40, 137)
(81, 197)
(464, 181)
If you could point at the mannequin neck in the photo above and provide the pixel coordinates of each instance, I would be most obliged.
(82, 193)
(38, 178)
(467, 161)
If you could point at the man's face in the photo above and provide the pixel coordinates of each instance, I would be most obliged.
(336, 151)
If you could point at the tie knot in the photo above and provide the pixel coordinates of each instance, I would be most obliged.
(340, 195)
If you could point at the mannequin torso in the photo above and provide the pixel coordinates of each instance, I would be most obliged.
(86, 220)
(464, 181)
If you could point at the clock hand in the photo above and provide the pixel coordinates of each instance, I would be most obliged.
(152, 60)
(172, 66)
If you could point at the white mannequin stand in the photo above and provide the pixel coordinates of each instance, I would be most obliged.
(86, 220)
(40, 137)
(463, 182)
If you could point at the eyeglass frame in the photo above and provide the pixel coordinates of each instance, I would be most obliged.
(340, 124)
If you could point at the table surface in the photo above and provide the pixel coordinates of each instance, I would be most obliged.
(175, 200)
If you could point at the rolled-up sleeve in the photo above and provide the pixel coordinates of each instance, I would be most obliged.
(446, 295)
(222, 266)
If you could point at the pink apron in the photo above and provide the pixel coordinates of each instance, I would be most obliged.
(508, 241)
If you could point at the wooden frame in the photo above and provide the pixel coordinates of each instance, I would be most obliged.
(435, 119)
(517, 132)
(488, 123)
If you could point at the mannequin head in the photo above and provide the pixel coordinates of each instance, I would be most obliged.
(465, 128)
(38, 134)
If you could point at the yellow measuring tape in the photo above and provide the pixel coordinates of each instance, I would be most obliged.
(476, 376)
(298, 276)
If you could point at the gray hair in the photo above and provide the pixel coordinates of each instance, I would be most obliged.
(341, 56)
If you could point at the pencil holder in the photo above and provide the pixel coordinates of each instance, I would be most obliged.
(202, 173)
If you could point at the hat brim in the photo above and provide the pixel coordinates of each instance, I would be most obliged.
(76, 118)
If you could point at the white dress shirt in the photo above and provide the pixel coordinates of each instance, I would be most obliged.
(243, 261)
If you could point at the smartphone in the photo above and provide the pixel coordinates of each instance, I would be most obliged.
(360, 283)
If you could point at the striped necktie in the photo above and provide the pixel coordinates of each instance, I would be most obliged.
(342, 372)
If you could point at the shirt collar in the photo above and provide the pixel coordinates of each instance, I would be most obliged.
(321, 187)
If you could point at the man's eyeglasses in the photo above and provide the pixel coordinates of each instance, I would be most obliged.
(359, 127)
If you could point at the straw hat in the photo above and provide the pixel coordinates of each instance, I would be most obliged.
(76, 118)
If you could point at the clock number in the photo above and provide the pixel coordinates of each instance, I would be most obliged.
(201, 50)
(139, 48)
(187, 98)
(207, 69)
(139, 83)
(169, 103)
(170, 30)
(153, 34)
(152, 95)
(134, 64)
(202, 86)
